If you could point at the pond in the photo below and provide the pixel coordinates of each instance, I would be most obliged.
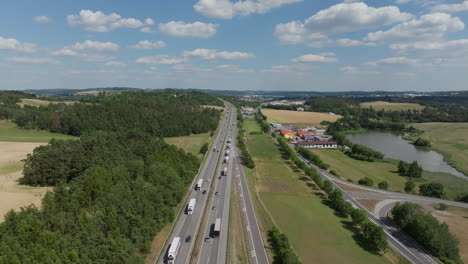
(395, 147)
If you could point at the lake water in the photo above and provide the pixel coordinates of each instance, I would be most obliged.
(395, 147)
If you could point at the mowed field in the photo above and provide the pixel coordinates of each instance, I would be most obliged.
(10, 133)
(38, 102)
(315, 232)
(388, 106)
(15, 144)
(457, 220)
(450, 140)
(348, 168)
(191, 143)
(298, 118)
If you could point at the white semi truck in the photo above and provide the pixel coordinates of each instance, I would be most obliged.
(227, 153)
(226, 159)
(173, 249)
(191, 206)
(225, 171)
(217, 227)
(199, 185)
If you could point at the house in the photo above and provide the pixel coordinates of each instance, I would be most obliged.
(317, 144)
(287, 134)
(300, 133)
(276, 126)
(300, 109)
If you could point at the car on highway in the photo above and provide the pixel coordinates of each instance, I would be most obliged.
(207, 239)
(188, 239)
(204, 192)
(216, 193)
(213, 208)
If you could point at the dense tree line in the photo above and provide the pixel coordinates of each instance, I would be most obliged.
(361, 152)
(427, 231)
(162, 113)
(283, 253)
(313, 157)
(261, 120)
(432, 189)
(113, 190)
(283, 107)
(245, 156)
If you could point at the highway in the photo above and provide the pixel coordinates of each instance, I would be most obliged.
(188, 225)
(403, 244)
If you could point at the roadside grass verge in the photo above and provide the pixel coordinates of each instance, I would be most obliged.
(450, 140)
(316, 234)
(9, 132)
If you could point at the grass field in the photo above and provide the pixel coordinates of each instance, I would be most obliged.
(298, 118)
(381, 105)
(456, 219)
(316, 234)
(450, 140)
(38, 102)
(348, 168)
(191, 143)
(9, 132)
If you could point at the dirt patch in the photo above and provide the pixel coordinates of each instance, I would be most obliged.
(368, 203)
(457, 220)
(350, 188)
(12, 195)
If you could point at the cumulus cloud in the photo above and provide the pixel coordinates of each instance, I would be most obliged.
(295, 68)
(451, 7)
(349, 69)
(188, 30)
(189, 68)
(33, 60)
(233, 68)
(315, 58)
(451, 46)
(94, 45)
(15, 45)
(210, 54)
(345, 42)
(429, 26)
(392, 61)
(115, 64)
(146, 30)
(148, 45)
(42, 19)
(226, 9)
(100, 22)
(343, 17)
(161, 60)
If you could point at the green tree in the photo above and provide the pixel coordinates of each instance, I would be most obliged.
(204, 149)
(432, 189)
(383, 185)
(366, 181)
(358, 216)
(415, 170)
(409, 186)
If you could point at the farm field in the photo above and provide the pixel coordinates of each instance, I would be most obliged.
(38, 102)
(316, 234)
(12, 195)
(348, 168)
(456, 219)
(388, 106)
(298, 118)
(450, 140)
(10, 132)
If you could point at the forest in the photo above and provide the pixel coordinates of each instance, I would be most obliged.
(113, 189)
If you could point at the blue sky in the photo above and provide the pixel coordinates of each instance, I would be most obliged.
(393, 45)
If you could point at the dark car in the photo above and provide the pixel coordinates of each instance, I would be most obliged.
(204, 192)
(188, 239)
(216, 193)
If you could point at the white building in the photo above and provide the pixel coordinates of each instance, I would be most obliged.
(324, 145)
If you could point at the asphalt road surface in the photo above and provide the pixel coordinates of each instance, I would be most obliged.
(188, 225)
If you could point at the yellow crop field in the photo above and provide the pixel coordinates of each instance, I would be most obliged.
(381, 105)
(38, 102)
(298, 118)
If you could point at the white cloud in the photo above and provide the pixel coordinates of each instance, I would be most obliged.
(295, 68)
(392, 61)
(33, 60)
(314, 58)
(13, 44)
(349, 69)
(161, 60)
(345, 42)
(233, 68)
(429, 26)
(100, 22)
(94, 45)
(451, 7)
(146, 30)
(147, 45)
(226, 9)
(210, 54)
(42, 19)
(438, 47)
(115, 64)
(188, 30)
(189, 68)
(343, 17)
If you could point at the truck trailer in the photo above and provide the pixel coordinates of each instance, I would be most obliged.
(217, 227)
(227, 153)
(226, 159)
(224, 172)
(191, 206)
(173, 250)
(199, 185)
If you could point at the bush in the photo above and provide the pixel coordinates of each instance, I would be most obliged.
(283, 253)
(409, 186)
(432, 189)
(366, 182)
(383, 185)
(334, 172)
(204, 149)
(422, 142)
